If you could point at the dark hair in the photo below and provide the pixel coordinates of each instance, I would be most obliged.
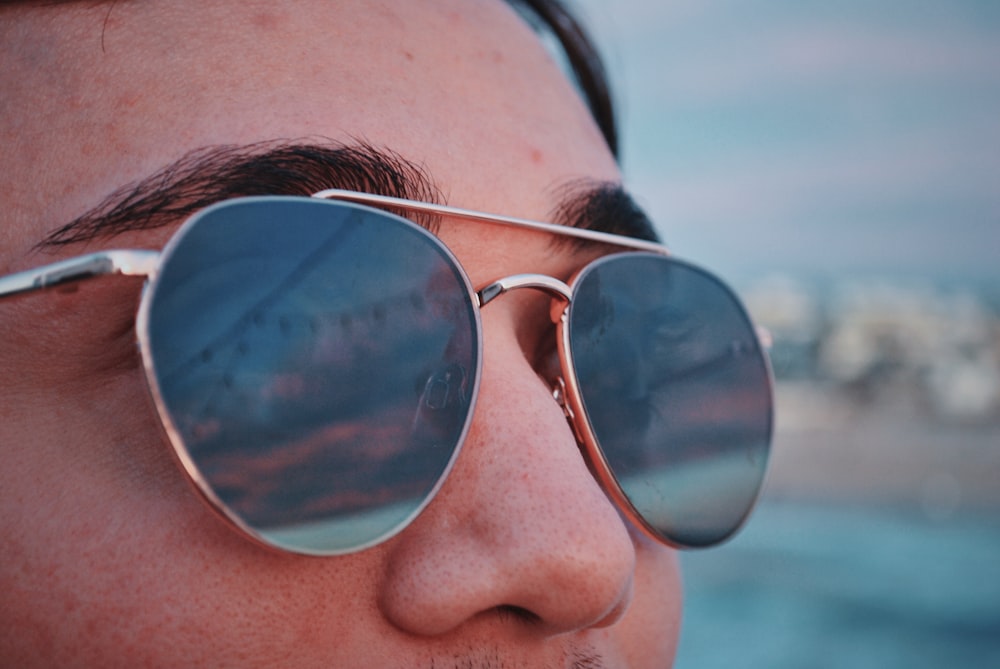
(581, 56)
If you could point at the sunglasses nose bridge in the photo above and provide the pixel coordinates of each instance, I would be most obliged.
(563, 295)
(542, 282)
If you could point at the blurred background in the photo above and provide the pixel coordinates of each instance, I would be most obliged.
(840, 164)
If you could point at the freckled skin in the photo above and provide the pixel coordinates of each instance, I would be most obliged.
(110, 558)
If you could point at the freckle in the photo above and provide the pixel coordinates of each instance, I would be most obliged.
(265, 20)
(409, 56)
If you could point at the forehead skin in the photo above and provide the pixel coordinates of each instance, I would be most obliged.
(90, 93)
(109, 557)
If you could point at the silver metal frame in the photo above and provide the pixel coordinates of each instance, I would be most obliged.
(190, 467)
(566, 390)
(136, 262)
(380, 201)
(127, 262)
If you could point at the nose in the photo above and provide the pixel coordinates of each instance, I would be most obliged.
(520, 527)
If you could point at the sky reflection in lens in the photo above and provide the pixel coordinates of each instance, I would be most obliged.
(318, 361)
(676, 390)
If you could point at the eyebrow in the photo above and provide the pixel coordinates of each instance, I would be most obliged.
(212, 174)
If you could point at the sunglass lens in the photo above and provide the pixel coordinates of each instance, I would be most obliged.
(677, 392)
(316, 364)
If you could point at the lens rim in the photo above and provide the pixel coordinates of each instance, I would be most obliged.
(580, 419)
(171, 430)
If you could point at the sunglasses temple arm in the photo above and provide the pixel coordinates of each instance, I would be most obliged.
(81, 268)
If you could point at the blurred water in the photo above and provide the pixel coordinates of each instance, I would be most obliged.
(846, 587)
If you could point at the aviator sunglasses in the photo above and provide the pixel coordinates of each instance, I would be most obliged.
(315, 363)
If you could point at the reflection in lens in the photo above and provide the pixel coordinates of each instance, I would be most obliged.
(318, 361)
(676, 390)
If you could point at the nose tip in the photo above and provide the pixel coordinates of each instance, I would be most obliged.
(559, 563)
(521, 526)
(553, 592)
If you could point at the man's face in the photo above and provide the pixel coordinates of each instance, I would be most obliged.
(110, 558)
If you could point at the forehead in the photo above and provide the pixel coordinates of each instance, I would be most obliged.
(99, 96)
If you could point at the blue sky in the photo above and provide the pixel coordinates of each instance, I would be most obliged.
(814, 137)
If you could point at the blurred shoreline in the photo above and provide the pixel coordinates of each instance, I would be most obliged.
(830, 447)
(887, 392)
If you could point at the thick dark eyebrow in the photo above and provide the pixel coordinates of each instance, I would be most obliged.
(603, 206)
(212, 174)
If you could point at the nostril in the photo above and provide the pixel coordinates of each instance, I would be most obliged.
(508, 612)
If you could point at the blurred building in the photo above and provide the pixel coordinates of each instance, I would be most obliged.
(937, 349)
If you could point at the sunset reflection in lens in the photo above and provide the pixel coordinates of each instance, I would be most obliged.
(318, 362)
(676, 390)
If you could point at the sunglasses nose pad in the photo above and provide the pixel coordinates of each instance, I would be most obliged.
(443, 401)
(559, 395)
(444, 388)
(596, 463)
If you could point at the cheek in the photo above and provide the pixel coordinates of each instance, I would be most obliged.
(109, 553)
(89, 499)
(651, 631)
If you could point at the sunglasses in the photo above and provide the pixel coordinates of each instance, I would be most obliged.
(315, 363)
